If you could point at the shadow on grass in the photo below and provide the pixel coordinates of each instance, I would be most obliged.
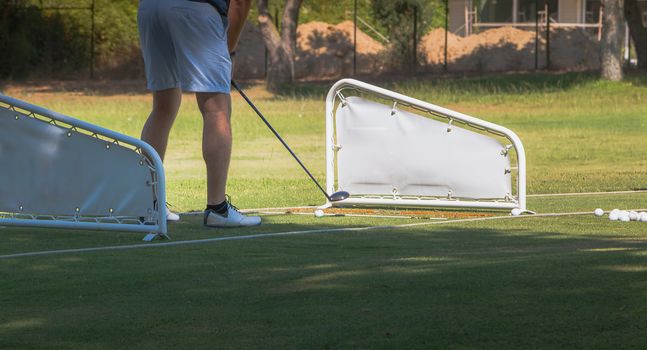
(500, 83)
(424, 287)
(512, 84)
(81, 87)
(636, 77)
(418, 287)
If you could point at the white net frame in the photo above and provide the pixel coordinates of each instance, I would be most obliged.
(154, 220)
(511, 148)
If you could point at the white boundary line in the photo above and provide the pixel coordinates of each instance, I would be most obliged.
(234, 238)
(280, 234)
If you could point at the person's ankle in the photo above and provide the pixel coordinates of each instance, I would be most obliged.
(220, 209)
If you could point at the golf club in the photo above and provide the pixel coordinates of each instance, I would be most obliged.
(335, 197)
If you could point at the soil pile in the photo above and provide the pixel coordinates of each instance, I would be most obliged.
(433, 47)
(574, 48)
(250, 54)
(323, 51)
(326, 51)
(365, 44)
(510, 49)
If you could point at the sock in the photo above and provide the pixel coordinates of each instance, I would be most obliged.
(220, 209)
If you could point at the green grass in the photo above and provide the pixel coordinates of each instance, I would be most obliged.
(531, 282)
(580, 134)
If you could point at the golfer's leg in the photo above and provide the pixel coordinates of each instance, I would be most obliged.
(216, 142)
(166, 104)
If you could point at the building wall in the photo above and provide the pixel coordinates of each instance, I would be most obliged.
(457, 16)
(570, 11)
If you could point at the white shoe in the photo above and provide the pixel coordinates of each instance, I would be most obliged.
(170, 216)
(233, 218)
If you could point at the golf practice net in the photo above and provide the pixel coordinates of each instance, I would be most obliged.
(57, 171)
(383, 148)
(388, 149)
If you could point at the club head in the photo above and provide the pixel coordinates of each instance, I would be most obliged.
(339, 196)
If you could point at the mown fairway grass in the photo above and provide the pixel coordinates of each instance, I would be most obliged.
(544, 282)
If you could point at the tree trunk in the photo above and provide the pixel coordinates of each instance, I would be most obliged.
(281, 47)
(638, 30)
(612, 35)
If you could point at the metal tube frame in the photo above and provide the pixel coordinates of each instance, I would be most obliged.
(107, 223)
(518, 201)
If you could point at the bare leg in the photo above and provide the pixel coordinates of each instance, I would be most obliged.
(166, 104)
(216, 142)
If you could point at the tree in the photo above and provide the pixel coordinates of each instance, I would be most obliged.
(612, 35)
(634, 12)
(281, 47)
(56, 46)
(397, 17)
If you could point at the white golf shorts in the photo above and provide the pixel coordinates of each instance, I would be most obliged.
(184, 44)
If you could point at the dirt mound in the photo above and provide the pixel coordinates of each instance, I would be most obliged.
(250, 54)
(319, 38)
(325, 50)
(433, 46)
(504, 36)
(365, 44)
(510, 49)
(574, 48)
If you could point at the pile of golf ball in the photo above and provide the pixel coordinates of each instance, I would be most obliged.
(623, 215)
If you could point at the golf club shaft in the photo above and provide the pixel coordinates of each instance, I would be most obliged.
(240, 91)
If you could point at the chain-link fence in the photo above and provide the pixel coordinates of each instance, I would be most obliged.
(349, 39)
(473, 37)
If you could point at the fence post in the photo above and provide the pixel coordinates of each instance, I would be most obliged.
(446, 34)
(415, 38)
(547, 35)
(536, 34)
(355, 38)
(92, 42)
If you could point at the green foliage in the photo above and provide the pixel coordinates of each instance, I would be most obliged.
(53, 38)
(330, 12)
(117, 38)
(334, 12)
(39, 42)
(603, 123)
(59, 45)
(398, 18)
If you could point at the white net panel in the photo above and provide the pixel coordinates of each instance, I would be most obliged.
(387, 151)
(53, 171)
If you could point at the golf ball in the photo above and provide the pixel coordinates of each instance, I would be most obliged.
(643, 217)
(625, 218)
(633, 216)
(319, 213)
(614, 215)
(515, 212)
(598, 212)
